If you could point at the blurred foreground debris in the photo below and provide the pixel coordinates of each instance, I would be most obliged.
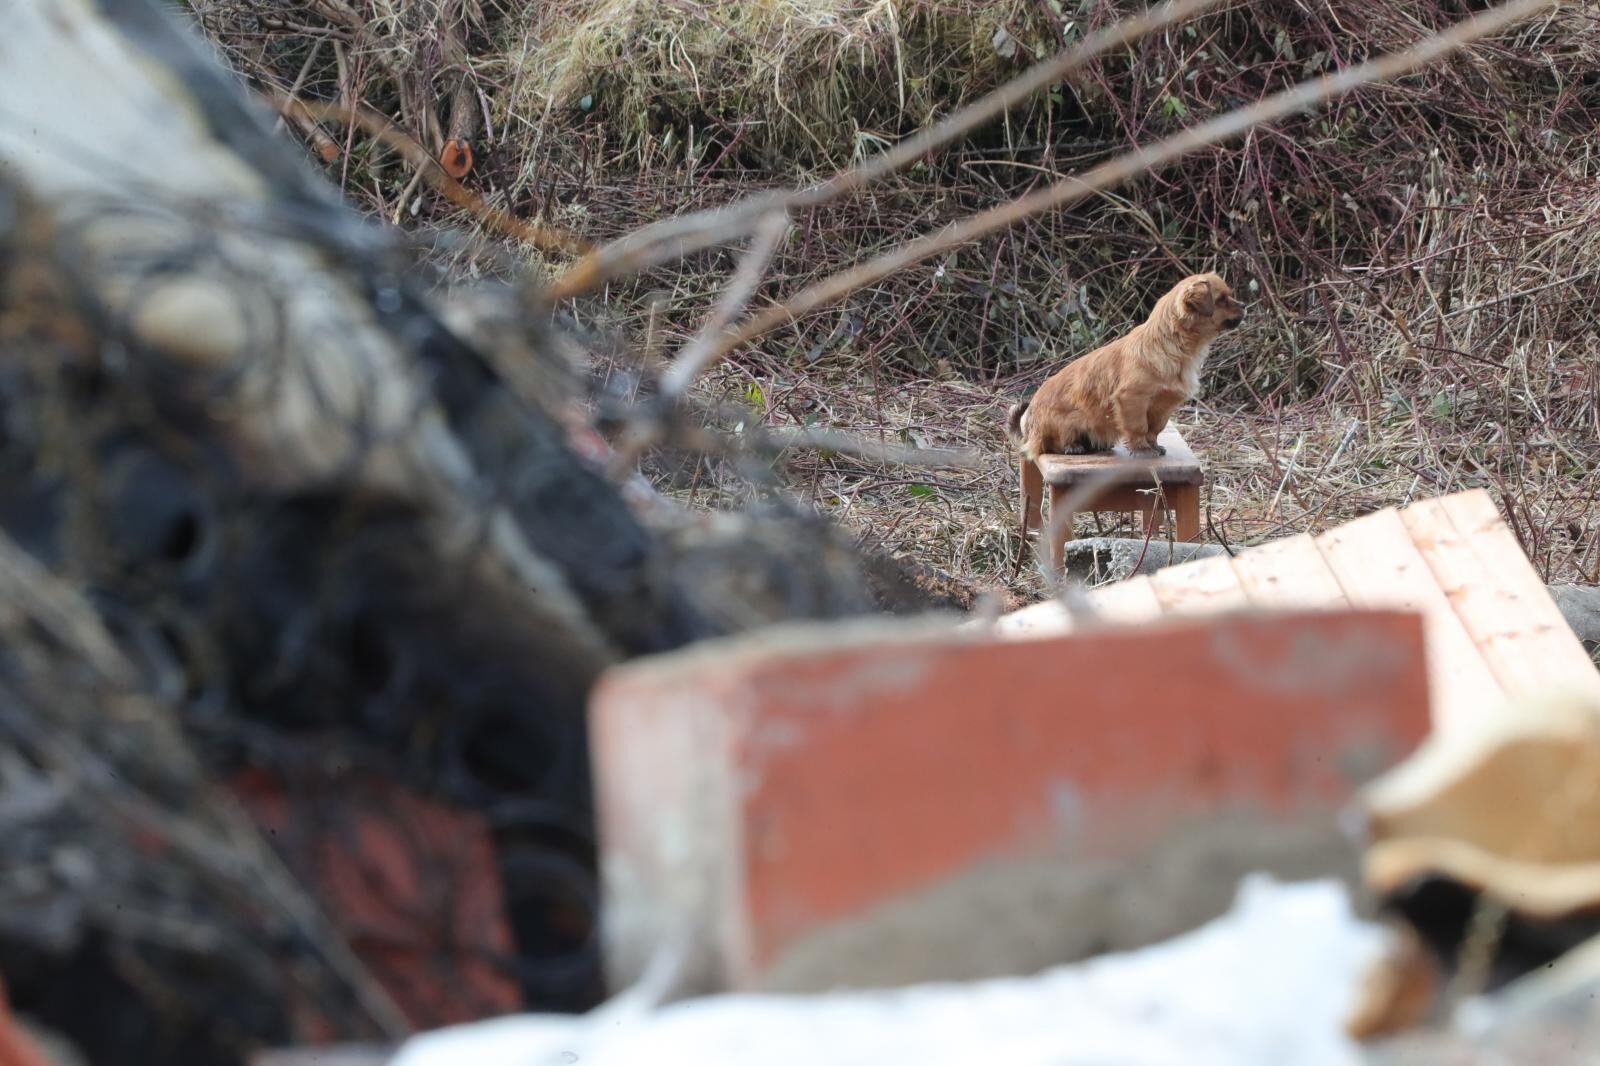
(1160, 1004)
(1546, 1018)
(266, 519)
(1486, 844)
(18, 1046)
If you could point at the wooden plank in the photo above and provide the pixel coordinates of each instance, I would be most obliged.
(1132, 600)
(1179, 466)
(1288, 573)
(1377, 565)
(1200, 585)
(1499, 597)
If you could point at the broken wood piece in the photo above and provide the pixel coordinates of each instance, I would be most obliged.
(1399, 991)
(1510, 806)
(1486, 841)
(456, 155)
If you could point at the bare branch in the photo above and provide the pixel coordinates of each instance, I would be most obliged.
(1071, 190)
(545, 238)
(677, 237)
(1001, 100)
(769, 231)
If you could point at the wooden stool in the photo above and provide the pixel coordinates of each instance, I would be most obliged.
(1172, 483)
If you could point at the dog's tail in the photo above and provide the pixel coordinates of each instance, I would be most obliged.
(1014, 421)
(1025, 504)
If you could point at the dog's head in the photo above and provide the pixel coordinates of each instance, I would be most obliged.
(1206, 302)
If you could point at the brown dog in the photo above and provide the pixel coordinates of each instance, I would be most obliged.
(1127, 389)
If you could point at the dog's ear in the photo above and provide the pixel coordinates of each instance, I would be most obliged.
(1198, 299)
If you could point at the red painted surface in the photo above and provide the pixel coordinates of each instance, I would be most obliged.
(839, 778)
(411, 883)
(16, 1049)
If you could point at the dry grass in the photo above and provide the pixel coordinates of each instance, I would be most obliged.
(1422, 256)
(795, 82)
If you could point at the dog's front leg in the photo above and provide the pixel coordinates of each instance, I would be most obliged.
(1133, 419)
(1160, 413)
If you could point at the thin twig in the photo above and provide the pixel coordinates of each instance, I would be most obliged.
(406, 194)
(1144, 549)
(1506, 297)
(769, 231)
(1344, 442)
(300, 80)
(1288, 472)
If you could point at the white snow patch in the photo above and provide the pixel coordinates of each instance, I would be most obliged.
(1265, 985)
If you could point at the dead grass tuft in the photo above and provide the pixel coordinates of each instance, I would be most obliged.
(793, 83)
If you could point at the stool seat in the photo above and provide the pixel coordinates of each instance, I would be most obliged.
(1177, 467)
(1152, 488)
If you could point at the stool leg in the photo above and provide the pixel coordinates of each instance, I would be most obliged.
(1031, 488)
(1062, 520)
(1186, 510)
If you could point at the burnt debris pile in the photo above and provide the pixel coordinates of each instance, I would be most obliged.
(303, 584)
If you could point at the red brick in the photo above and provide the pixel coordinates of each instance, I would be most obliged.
(753, 792)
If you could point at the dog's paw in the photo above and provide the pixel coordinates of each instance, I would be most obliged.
(1152, 452)
(1075, 449)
